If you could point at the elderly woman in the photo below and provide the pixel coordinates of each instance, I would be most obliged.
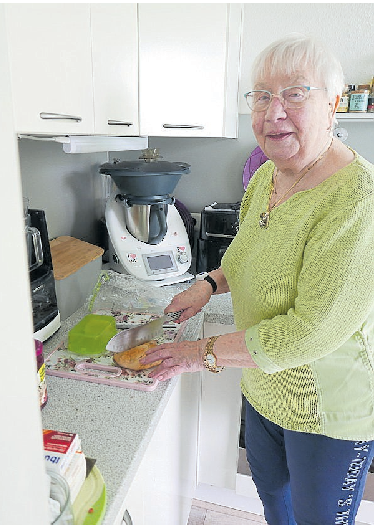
(300, 273)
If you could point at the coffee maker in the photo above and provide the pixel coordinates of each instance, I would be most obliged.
(148, 238)
(46, 316)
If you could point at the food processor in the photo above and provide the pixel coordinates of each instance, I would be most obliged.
(146, 231)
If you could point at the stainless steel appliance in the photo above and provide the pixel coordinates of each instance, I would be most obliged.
(147, 234)
(46, 316)
(219, 225)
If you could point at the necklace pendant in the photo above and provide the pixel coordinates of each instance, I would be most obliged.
(264, 220)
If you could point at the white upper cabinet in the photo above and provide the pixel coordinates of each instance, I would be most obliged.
(189, 56)
(74, 68)
(51, 67)
(115, 68)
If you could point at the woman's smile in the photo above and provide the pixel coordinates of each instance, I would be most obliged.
(276, 137)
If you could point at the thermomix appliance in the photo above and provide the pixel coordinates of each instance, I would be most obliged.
(147, 234)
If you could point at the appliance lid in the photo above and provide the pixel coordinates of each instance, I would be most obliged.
(140, 167)
(220, 207)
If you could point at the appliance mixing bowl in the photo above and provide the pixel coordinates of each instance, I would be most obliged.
(147, 222)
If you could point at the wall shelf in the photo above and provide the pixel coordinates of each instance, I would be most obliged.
(355, 117)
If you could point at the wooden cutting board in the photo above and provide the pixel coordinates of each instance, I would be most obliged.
(70, 254)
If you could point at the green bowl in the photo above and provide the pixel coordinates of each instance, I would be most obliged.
(91, 335)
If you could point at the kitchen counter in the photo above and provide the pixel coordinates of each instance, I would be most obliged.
(116, 424)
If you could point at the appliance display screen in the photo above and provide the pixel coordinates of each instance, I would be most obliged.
(160, 262)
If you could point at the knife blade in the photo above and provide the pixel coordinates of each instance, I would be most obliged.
(140, 334)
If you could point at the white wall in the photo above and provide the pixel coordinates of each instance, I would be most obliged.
(347, 28)
(67, 187)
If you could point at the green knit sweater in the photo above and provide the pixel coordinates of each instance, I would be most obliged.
(303, 291)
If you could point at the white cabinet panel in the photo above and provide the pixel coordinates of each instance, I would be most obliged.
(115, 68)
(162, 490)
(219, 421)
(188, 64)
(51, 67)
(22, 480)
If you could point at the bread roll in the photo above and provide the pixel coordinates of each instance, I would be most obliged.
(130, 358)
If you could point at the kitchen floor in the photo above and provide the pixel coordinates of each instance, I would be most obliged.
(203, 513)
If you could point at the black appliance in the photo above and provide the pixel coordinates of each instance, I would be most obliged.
(219, 225)
(46, 316)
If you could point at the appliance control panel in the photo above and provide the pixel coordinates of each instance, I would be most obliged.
(165, 262)
(158, 263)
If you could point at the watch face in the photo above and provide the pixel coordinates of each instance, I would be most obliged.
(210, 359)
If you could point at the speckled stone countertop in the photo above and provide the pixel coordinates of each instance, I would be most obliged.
(116, 424)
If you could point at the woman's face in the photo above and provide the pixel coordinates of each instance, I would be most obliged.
(293, 137)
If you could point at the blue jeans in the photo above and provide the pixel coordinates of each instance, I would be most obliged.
(305, 479)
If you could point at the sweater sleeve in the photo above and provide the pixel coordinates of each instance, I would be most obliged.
(334, 293)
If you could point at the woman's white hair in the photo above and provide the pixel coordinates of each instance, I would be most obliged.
(296, 53)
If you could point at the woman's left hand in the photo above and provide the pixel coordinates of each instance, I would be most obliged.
(176, 359)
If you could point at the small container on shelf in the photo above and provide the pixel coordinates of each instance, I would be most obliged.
(343, 106)
(359, 99)
(370, 107)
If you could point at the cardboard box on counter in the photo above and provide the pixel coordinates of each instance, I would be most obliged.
(77, 265)
(60, 448)
(63, 455)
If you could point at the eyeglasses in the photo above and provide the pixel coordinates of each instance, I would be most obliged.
(292, 97)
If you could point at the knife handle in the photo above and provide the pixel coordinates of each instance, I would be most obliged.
(174, 315)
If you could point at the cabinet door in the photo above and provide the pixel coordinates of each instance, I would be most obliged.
(220, 421)
(186, 56)
(51, 67)
(115, 68)
(162, 490)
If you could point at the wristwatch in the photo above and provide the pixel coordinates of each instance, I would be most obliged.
(209, 358)
(204, 276)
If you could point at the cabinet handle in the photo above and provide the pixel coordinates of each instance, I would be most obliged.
(119, 123)
(59, 116)
(182, 126)
(219, 235)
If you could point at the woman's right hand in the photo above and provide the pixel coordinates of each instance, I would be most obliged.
(191, 301)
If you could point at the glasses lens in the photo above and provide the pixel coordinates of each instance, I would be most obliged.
(294, 97)
(258, 100)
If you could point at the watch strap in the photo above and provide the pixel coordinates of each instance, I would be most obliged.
(212, 282)
(209, 350)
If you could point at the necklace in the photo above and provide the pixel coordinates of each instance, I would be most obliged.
(264, 216)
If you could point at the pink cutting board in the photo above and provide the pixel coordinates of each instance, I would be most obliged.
(102, 369)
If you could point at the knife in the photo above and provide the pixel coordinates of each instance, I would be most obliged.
(140, 334)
